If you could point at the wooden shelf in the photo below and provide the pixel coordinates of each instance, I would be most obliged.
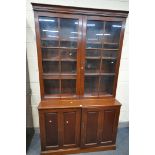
(59, 76)
(97, 94)
(107, 49)
(94, 48)
(57, 59)
(106, 58)
(93, 58)
(49, 39)
(108, 74)
(109, 58)
(95, 42)
(109, 43)
(98, 42)
(97, 74)
(58, 39)
(68, 59)
(58, 47)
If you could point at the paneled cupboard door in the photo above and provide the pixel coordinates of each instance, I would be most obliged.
(59, 36)
(99, 126)
(60, 128)
(102, 53)
(71, 127)
(51, 129)
(90, 129)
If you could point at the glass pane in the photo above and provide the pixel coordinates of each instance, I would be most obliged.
(49, 31)
(51, 67)
(51, 86)
(108, 66)
(68, 32)
(92, 66)
(91, 85)
(49, 43)
(68, 86)
(95, 34)
(50, 54)
(106, 85)
(48, 27)
(112, 34)
(93, 53)
(68, 54)
(69, 44)
(109, 54)
(68, 67)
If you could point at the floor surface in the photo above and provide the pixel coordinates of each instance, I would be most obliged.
(122, 145)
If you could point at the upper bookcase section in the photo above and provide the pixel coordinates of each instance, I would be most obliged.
(79, 50)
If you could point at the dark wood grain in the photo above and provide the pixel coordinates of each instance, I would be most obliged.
(108, 125)
(77, 122)
(78, 150)
(51, 126)
(71, 127)
(90, 127)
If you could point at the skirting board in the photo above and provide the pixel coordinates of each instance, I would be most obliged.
(120, 125)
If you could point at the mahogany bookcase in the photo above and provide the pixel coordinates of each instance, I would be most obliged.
(79, 51)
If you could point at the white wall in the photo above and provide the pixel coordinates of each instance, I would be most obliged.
(122, 89)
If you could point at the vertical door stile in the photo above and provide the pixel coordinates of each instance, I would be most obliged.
(79, 50)
(83, 47)
(59, 57)
(60, 128)
(101, 118)
(101, 59)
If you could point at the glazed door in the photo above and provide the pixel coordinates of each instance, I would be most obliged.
(59, 39)
(90, 130)
(101, 55)
(70, 127)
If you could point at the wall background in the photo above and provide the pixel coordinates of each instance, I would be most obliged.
(123, 86)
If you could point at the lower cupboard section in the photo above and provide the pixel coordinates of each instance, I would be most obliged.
(78, 128)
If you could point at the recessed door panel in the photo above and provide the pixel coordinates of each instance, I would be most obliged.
(90, 127)
(108, 126)
(51, 127)
(71, 127)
